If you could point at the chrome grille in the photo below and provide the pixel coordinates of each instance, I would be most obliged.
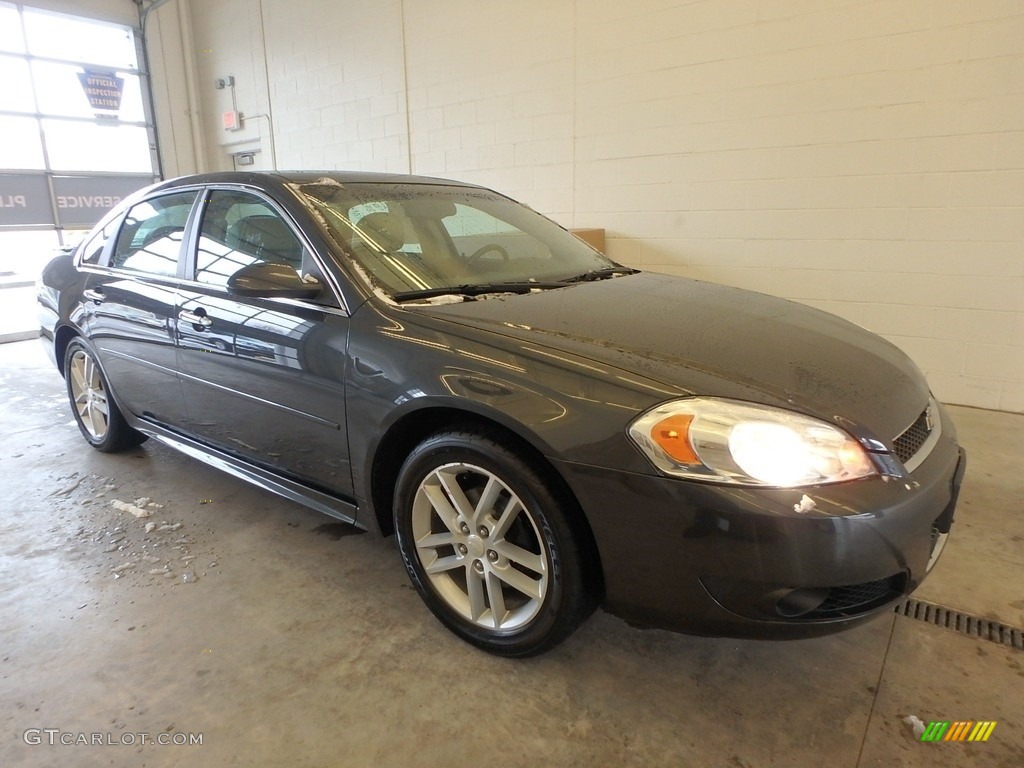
(913, 437)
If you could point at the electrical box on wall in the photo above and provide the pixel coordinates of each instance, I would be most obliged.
(231, 120)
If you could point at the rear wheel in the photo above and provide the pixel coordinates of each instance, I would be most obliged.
(98, 416)
(489, 546)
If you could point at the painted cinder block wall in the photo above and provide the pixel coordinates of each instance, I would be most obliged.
(863, 157)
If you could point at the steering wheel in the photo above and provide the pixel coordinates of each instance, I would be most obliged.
(487, 249)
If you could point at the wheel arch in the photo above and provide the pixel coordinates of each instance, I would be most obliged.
(61, 339)
(412, 428)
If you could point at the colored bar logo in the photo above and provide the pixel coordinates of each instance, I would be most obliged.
(958, 730)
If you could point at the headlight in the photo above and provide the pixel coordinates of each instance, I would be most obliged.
(726, 441)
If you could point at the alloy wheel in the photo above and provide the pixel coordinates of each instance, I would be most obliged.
(90, 397)
(480, 547)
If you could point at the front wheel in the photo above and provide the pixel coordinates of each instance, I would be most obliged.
(100, 420)
(489, 545)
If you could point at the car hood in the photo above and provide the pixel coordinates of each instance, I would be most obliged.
(709, 339)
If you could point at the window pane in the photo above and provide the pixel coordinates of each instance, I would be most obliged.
(425, 237)
(93, 250)
(16, 92)
(26, 253)
(470, 222)
(77, 146)
(61, 92)
(239, 230)
(10, 30)
(73, 39)
(491, 244)
(21, 147)
(150, 240)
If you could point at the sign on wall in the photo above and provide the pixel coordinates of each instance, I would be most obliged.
(80, 201)
(24, 200)
(103, 89)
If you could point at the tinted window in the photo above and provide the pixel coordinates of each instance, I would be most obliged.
(150, 239)
(239, 229)
(92, 250)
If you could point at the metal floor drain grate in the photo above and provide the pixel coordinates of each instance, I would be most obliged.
(964, 623)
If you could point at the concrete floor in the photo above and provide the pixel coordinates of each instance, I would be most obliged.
(299, 645)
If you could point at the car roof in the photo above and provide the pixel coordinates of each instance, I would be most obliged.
(278, 178)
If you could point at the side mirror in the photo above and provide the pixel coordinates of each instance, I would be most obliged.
(271, 281)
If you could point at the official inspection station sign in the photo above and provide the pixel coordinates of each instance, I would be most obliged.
(104, 90)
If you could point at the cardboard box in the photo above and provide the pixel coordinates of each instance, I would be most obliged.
(592, 237)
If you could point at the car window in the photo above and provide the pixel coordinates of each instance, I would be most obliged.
(150, 239)
(415, 237)
(477, 232)
(92, 249)
(239, 229)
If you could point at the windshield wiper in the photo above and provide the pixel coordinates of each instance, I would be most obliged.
(475, 289)
(601, 274)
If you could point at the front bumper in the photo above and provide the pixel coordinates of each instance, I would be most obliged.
(742, 562)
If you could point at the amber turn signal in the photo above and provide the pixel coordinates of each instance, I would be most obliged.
(672, 434)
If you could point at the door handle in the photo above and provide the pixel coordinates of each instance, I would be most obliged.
(366, 369)
(94, 295)
(195, 318)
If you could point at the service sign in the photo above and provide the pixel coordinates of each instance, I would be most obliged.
(24, 200)
(80, 201)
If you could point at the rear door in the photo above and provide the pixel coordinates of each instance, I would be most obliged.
(131, 304)
(263, 378)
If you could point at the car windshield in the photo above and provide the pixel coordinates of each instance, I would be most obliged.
(422, 240)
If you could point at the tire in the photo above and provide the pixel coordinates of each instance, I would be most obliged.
(100, 420)
(489, 546)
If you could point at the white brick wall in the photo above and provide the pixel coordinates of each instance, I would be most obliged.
(863, 157)
(490, 96)
(332, 79)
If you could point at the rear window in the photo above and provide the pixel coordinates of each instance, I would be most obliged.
(92, 249)
(150, 239)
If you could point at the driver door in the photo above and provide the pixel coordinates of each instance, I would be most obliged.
(263, 378)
